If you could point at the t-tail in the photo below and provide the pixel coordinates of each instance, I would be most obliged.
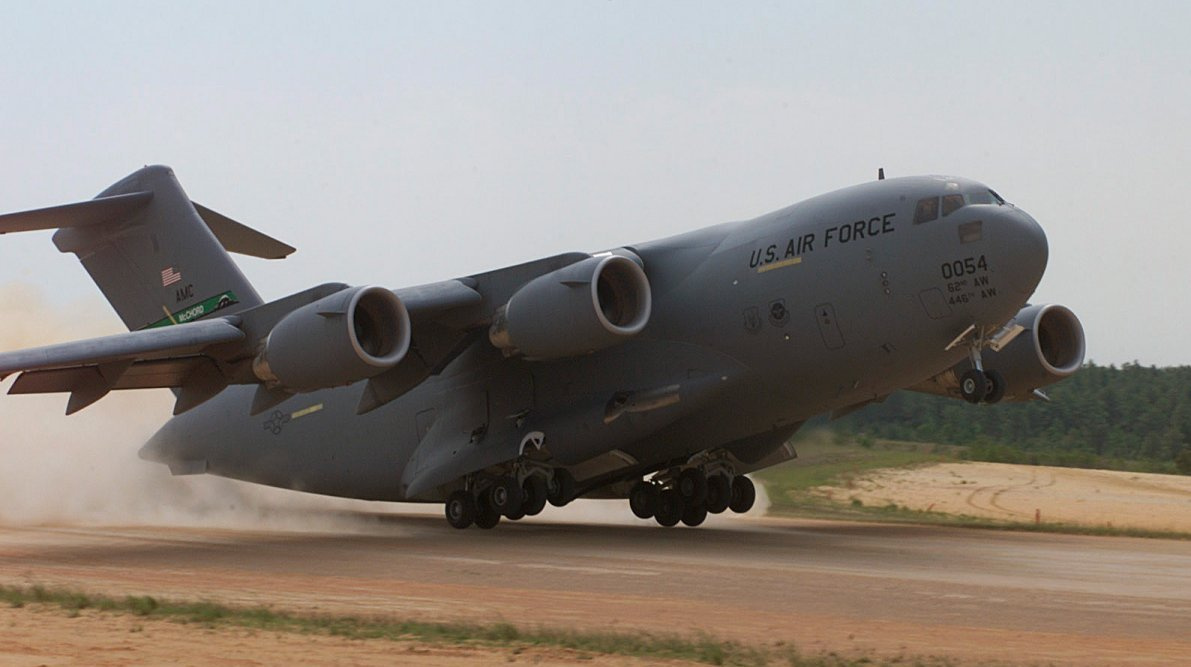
(159, 258)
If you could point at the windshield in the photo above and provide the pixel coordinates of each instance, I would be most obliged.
(932, 208)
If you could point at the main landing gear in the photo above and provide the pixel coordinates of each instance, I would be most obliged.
(484, 504)
(691, 496)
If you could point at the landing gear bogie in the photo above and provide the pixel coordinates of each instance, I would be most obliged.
(744, 494)
(487, 516)
(693, 515)
(505, 497)
(692, 485)
(643, 500)
(670, 509)
(561, 488)
(719, 493)
(534, 490)
(460, 509)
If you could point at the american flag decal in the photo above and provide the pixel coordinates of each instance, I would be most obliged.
(169, 276)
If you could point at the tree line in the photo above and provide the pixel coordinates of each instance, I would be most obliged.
(1132, 417)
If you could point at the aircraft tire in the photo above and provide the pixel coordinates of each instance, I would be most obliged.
(692, 484)
(562, 488)
(534, 490)
(506, 498)
(460, 509)
(996, 387)
(719, 493)
(693, 515)
(643, 500)
(744, 494)
(487, 516)
(973, 386)
(669, 511)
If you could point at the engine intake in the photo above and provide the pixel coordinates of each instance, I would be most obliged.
(348, 336)
(587, 306)
(1051, 348)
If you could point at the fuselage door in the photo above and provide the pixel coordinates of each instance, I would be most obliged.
(833, 338)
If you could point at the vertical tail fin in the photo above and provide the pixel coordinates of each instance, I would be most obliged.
(158, 258)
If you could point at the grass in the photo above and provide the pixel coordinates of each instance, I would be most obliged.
(831, 459)
(501, 635)
(828, 459)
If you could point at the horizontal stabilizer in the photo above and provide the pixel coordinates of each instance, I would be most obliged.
(233, 236)
(80, 214)
(238, 238)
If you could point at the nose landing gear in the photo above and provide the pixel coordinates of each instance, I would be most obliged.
(978, 385)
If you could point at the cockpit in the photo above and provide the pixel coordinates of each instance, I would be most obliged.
(932, 208)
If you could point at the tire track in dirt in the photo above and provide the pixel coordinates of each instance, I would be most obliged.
(995, 504)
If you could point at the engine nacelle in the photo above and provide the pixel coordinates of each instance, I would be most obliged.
(587, 306)
(1050, 347)
(348, 336)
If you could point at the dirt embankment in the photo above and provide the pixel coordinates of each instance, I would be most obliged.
(1026, 493)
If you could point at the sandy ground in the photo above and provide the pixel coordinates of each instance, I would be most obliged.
(40, 636)
(1021, 493)
(859, 589)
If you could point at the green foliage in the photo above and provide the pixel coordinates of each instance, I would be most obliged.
(1183, 461)
(140, 605)
(826, 458)
(1132, 418)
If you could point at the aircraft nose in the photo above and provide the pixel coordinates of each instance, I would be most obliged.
(1024, 250)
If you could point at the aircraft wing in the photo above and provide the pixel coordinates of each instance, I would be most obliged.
(89, 369)
(201, 358)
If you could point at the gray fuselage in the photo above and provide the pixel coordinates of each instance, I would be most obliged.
(832, 302)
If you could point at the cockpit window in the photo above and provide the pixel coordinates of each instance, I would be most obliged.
(952, 203)
(928, 209)
(997, 197)
(980, 197)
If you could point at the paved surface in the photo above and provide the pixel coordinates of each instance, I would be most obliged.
(883, 589)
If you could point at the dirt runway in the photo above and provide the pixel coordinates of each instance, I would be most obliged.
(854, 588)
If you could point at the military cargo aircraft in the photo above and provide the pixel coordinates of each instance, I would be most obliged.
(660, 372)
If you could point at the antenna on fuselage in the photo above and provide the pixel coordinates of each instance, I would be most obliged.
(880, 173)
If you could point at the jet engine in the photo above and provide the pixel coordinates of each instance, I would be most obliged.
(587, 306)
(348, 336)
(1050, 348)
(1048, 345)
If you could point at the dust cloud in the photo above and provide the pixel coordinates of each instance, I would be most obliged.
(84, 470)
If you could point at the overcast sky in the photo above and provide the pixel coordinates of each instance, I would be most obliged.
(399, 143)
